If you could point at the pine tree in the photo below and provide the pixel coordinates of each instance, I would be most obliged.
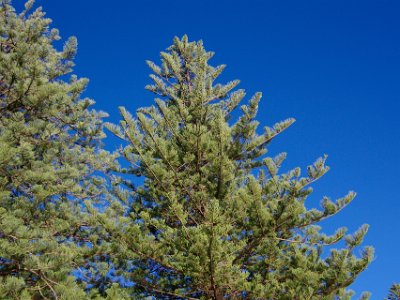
(213, 218)
(49, 153)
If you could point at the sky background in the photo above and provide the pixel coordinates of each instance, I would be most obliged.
(332, 65)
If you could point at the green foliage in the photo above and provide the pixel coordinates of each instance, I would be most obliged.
(394, 293)
(214, 218)
(49, 150)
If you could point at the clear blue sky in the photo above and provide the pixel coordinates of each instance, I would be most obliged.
(332, 65)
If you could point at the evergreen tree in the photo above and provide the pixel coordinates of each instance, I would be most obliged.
(49, 151)
(214, 218)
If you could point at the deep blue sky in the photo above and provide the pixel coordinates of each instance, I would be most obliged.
(332, 65)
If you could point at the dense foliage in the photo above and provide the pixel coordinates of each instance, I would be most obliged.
(48, 155)
(214, 218)
(193, 208)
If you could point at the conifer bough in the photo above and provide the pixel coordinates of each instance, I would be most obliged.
(49, 151)
(214, 217)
